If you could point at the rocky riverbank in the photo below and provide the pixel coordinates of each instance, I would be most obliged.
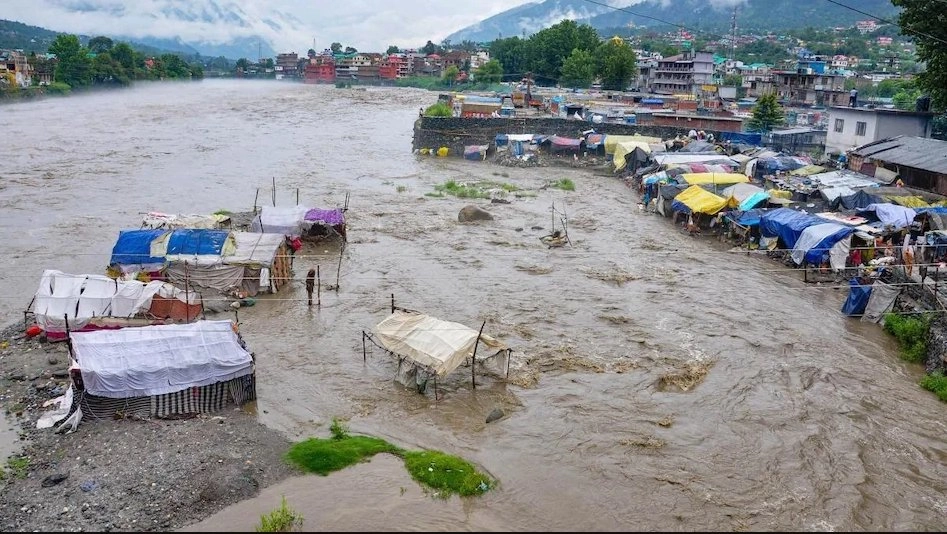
(142, 475)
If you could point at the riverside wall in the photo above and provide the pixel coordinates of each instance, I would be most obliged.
(455, 133)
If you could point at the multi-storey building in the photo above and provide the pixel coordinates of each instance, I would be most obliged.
(683, 74)
(286, 65)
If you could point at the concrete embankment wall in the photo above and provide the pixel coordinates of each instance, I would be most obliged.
(455, 133)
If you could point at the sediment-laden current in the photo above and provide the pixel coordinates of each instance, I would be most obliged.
(658, 381)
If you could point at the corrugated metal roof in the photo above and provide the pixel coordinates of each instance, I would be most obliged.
(918, 152)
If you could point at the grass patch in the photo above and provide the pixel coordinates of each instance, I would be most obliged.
(283, 519)
(17, 467)
(226, 213)
(936, 383)
(401, 188)
(565, 184)
(451, 187)
(439, 109)
(435, 194)
(447, 474)
(911, 333)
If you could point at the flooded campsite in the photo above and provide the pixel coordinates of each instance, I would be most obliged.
(656, 380)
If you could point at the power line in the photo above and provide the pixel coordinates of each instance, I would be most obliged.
(626, 10)
(922, 34)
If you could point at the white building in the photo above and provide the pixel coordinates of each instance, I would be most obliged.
(854, 127)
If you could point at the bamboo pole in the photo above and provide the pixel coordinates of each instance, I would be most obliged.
(473, 359)
(338, 271)
(318, 287)
(187, 296)
(364, 357)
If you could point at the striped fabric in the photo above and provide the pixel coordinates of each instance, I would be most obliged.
(203, 399)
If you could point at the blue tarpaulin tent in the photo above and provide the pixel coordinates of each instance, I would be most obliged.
(197, 241)
(858, 296)
(134, 247)
(787, 224)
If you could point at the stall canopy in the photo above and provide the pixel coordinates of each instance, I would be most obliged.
(154, 360)
(820, 242)
(432, 344)
(696, 199)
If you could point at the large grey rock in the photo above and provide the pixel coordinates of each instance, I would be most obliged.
(497, 413)
(472, 213)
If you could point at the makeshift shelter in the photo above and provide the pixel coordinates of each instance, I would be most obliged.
(857, 300)
(161, 370)
(264, 259)
(475, 152)
(819, 243)
(696, 199)
(891, 214)
(157, 220)
(747, 195)
(77, 302)
(557, 144)
(133, 253)
(427, 347)
(856, 200)
(637, 152)
(881, 301)
(786, 224)
(612, 141)
(300, 221)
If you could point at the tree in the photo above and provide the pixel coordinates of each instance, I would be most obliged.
(616, 64)
(511, 53)
(73, 66)
(450, 74)
(336, 47)
(100, 44)
(393, 50)
(489, 72)
(926, 22)
(548, 48)
(733, 80)
(350, 50)
(578, 70)
(429, 48)
(311, 53)
(767, 113)
(106, 70)
(125, 55)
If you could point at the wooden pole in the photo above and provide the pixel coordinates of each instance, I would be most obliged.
(338, 271)
(473, 359)
(364, 358)
(318, 287)
(509, 356)
(255, 199)
(297, 196)
(392, 303)
(187, 296)
(68, 337)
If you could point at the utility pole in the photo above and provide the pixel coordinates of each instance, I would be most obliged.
(733, 33)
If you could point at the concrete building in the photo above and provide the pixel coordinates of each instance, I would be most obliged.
(286, 66)
(919, 162)
(683, 74)
(854, 127)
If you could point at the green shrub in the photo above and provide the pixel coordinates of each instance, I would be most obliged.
(338, 429)
(936, 383)
(911, 333)
(565, 184)
(439, 109)
(283, 519)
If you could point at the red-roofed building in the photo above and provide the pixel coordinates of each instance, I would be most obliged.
(320, 69)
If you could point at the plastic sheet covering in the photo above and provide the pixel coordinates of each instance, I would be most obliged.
(696, 199)
(163, 220)
(815, 241)
(436, 346)
(254, 249)
(133, 247)
(857, 300)
(475, 152)
(612, 141)
(787, 224)
(280, 220)
(742, 191)
(219, 277)
(153, 360)
(897, 216)
(881, 301)
(626, 148)
(57, 299)
(331, 217)
(134, 297)
(96, 298)
(674, 158)
(728, 178)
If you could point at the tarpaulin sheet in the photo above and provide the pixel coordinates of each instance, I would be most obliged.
(564, 143)
(881, 301)
(696, 199)
(134, 247)
(746, 218)
(612, 141)
(753, 200)
(592, 141)
(154, 360)
(815, 241)
(197, 242)
(279, 220)
(435, 345)
(255, 249)
(860, 199)
(857, 300)
(331, 217)
(897, 216)
(622, 150)
(715, 178)
(787, 224)
(675, 158)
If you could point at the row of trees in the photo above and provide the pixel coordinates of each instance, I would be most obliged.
(104, 62)
(568, 54)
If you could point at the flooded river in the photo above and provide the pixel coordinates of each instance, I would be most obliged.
(805, 419)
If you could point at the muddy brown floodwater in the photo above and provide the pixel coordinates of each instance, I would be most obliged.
(804, 418)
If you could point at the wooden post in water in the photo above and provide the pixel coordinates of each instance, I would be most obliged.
(392, 303)
(473, 359)
(274, 191)
(255, 199)
(297, 196)
(187, 296)
(363, 347)
(318, 287)
(68, 336)
(338, 271)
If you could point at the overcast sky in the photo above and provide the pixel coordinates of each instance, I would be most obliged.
(369, 25)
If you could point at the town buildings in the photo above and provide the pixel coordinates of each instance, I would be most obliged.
(684, 73)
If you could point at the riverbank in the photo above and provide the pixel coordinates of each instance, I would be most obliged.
(120, 475)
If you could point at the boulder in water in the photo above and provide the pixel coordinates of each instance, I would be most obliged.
(471, 213)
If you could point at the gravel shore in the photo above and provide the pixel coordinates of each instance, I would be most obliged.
(140, 475)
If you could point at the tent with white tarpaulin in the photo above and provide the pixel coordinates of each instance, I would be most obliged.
(820, 242)
(160, 370)
(428, 347)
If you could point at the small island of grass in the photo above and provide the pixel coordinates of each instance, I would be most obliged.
(447, 474)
